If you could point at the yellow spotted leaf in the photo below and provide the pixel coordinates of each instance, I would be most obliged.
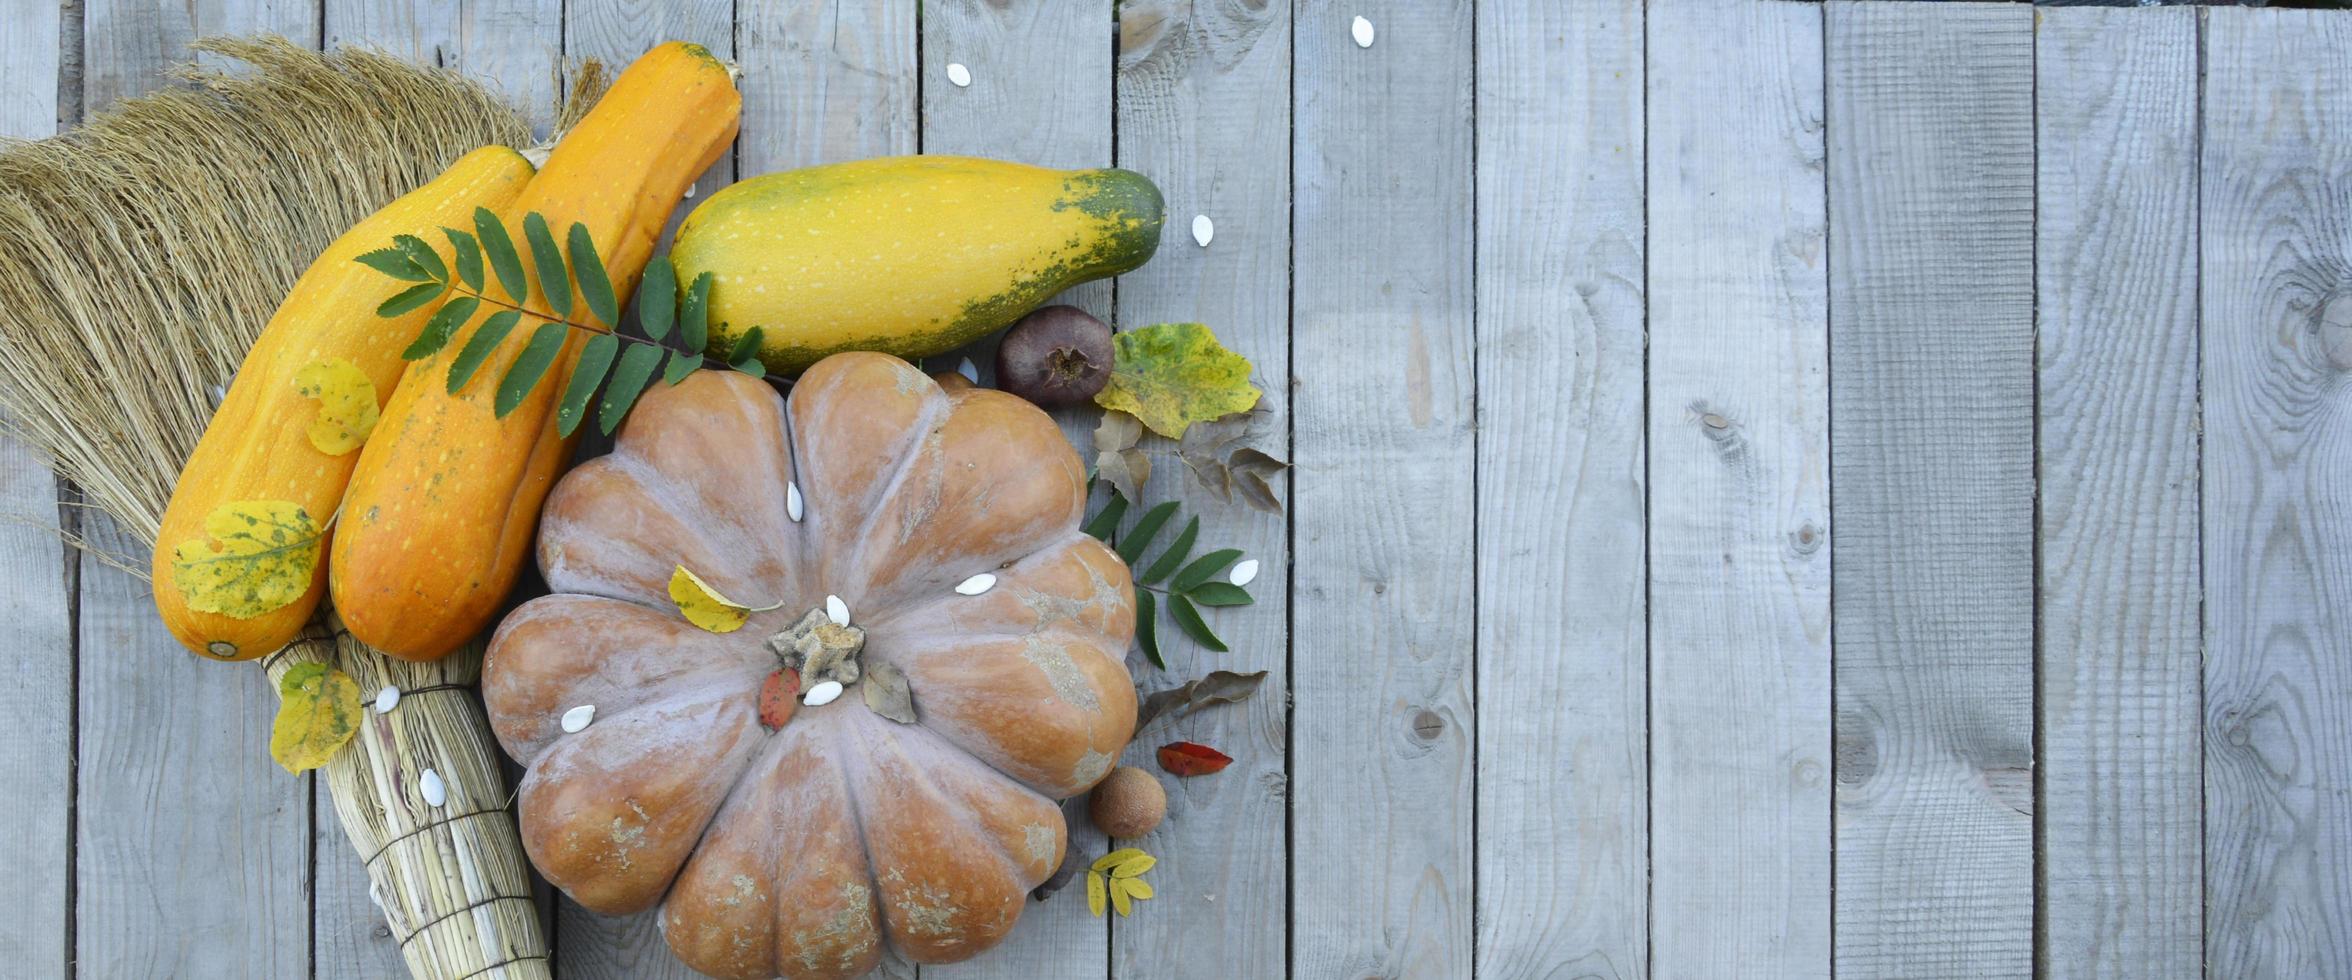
(704, 606)
(255, 556)
(1094, 893)
(1116, 858)
(1119, 897)
(1137, 888)
(347, 404)
(1134, 866)
(318, 711)
(1171, 375)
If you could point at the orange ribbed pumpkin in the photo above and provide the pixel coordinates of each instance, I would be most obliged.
(801, 843)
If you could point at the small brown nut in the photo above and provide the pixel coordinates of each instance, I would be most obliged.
(1060, 355)
(1127, 803)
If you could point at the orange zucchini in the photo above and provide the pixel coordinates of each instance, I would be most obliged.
(258, 445)
(441, 511)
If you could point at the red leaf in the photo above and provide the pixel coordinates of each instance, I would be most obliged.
(1192, 759)
(776, 698)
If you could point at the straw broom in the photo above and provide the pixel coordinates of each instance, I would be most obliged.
(139, 257)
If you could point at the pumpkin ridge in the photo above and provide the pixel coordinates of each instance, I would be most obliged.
(863, 798)
(935, 413)
(965, 813)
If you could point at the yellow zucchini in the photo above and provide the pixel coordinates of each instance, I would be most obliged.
(906, 255)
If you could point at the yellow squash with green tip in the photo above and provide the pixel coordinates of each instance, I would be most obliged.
(906, 255)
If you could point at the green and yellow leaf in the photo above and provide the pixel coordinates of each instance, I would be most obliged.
(347, 404)
(1174, 374)
(256, 556)
(318, 711)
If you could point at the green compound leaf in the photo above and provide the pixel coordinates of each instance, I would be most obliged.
(441, 327)
(548, 261)
(595, 286)
(501, 250)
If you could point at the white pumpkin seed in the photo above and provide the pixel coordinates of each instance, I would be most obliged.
(976, 584)
(1203, 229)
(578, 718)
(822, 694)
(1362, 29)
(435, 793)
(969, 370)
(1245, 573)
(960, 75)
(386, 699)
(792, 504)
(836, 610)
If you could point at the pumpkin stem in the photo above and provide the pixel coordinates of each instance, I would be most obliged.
(819, 650)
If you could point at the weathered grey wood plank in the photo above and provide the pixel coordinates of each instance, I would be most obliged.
(127, 43)
(36, 761)
(1383, 733)
(1739, 492)
(1201, 113)
(516, 45)
(194, 847)
(2117, 279)
(1562, 862)
(588, 944)
(1931, 338)
(2277, 314)
(826, 82)
(1040, 94)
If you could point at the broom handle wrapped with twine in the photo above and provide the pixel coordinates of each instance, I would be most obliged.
(211, 198)
(450, 878)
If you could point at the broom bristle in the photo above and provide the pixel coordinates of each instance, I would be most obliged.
(213, 197)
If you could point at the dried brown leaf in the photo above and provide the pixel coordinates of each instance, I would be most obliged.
(1215, 687)
(887, 692)
(1117, 431)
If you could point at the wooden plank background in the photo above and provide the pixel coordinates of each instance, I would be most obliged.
(1590, 325)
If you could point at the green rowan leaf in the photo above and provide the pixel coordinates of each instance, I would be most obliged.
(596, 358)
(409, 299)
(468, 254)
(1147, 527)
(501, 250)
(486, 338)
(628, 381)
(529, 367)
(442, 326)
(1175, 555)
(595, 285)
(1189, 620)
(657, 299)
(554, 282)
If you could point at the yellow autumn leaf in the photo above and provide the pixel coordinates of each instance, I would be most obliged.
(704, 606)
(1116, 858)
(1137, 888)
(1133, 866)
(347, 404)
(1171, 375)
(1119, 898)
(318, 711)
(1094, 893)
(255, 556)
